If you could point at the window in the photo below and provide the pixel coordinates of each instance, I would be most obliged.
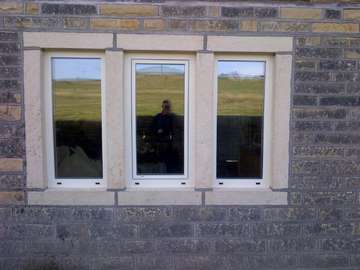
(75, 120)
(159, 120)
(243, 115)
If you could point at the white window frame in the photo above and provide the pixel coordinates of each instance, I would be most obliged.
(157, 181)
(54, 182)
(265, 181)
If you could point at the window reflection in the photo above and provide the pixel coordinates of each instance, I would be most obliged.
(240, 119)
(160, 119)
(76, 84)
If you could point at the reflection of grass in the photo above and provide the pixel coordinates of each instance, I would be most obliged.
(240, 97)
(77, 100)
(151, 90)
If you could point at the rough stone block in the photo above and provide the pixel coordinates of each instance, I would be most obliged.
(9, 36)
(305, 167)
(9, 48)
(166, 230)
(276, 229)
(239, 246)
(128, 10)
(301, 100)
(292, 245)
(33, 22)
(106, 231)
(301, 13)
(340, 101)
(248, 25)
(143, 214)
(335, 27)
(352, 53)
(11, 7)
(178, 11)
(318, 52)
(327, 260)
(320, 88)
(266, 12)
(10, 72)
(318, 151)
(32, 8)
(184, 246)
(79, 23)
(223, 230)
(308, 76)
(332, 14)
(327, 229)
(11, 164)
(284, 27)
(352, 14)
(154, 262)
(199, 214)
(289, 214)
(331, 214)
(215, 25)
(68, 9)
(308, 41)
(121, 24)
(154, 24)
(337, 65)
(240, 214)
(329, 198)
(237, 12)
(11, 197)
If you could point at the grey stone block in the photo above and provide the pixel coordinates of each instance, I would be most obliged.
(331, 214)
(351, 245)
(113, 263)
(9, 36)
(305, 167)
(199, 213)
(327, 229)
(327, 260)
(276, 229)
(237, 12)
(183, 246)
(329, 198)
(266, 12)
(292, 245)
(239, 246)
(239, 214)
(10, 48)
(347, 126)
(308, 76)
(142, 214)
(109, 231)
(178, 11)
(10, 85)
(320, 113)
(344, 139)
(72, 231)
(9, 60)
(319, 88)
(154, 262)
(290, 214)
(318, 52)
(154, 230)
(301, 100)
(223, 230)
(342, 65)
(69, 9)
(199, 262)
(347, 77)
(312, 126)
(14, 147)
(12, 182)
(26, 231)
(332, 14)
(340, 101)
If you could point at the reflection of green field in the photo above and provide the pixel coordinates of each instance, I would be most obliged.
(151, 90)
(77, 100)
(240, 97)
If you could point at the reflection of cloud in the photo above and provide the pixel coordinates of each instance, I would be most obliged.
(76, 68)
(241, 69)
(160, 69)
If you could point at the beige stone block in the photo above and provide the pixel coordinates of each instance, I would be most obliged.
(249, 44)
(129, 10)
(11, 164)
(245, 197)
(154, 24)
(76, 23)
(32, 8)
(68, 40)
(250, 25)
(281, 122)
(34, 122)
(352, 14)
(121, 24)
(159, 197)
(114, 110)
(159, 42)
(71, 197)
(284, 27)
(10, 112)
(11, 7)
(301, 13)
(335, 27)
(204, 120)
(11, 197)
(214, 11)
(352, 53)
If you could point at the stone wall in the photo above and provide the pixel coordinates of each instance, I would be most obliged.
(318, 229)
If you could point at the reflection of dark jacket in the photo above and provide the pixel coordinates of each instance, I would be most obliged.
(163, 126)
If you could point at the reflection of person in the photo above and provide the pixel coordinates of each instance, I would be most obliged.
(162, 129)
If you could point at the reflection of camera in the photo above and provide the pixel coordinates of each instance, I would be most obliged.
(167, 106)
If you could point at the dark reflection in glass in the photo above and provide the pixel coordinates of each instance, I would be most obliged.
(160, 119)
(240, 119)
(77, 117)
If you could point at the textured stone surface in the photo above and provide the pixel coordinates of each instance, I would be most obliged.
(318, 229)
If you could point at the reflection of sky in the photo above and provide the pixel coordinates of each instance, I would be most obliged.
(75, 68)
(160, 68)
(243, 68)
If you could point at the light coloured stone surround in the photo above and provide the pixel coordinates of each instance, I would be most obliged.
(279, 47)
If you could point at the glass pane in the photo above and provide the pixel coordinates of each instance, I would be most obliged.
(160, 119)
(240, 119)
(77, 117)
